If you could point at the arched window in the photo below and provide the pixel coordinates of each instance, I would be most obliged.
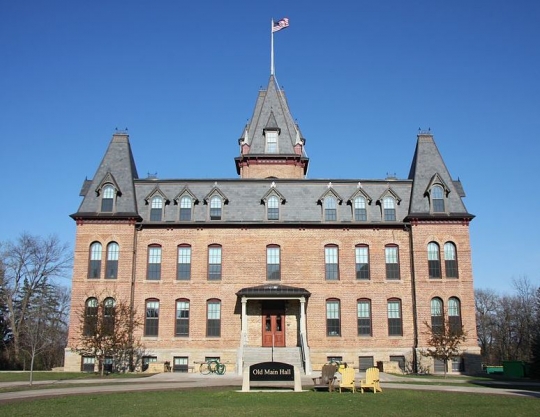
(362, 261)
(215, 208)
(184, 263)
(360, 212)
(214, 262)
(109, 316)
(156, 209)
(213, 318)
(364, 317)
(434, 261)
(90, 316)
(450, 260)
(107, 198)
(330, 208)
(273, 264)
(437, 318)
(437, 199)
(395, 322)
(331, 260)
(182, 318)
(94, 267)
(391, 253)
(454, 315)
(186, 205)
(154, 262)
(333, 322)
(151, 322)
(272, 207)
(113, 251)
(389, 206)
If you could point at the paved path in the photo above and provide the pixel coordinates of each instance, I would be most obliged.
(174, 381)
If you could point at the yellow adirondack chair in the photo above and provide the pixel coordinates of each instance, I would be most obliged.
(372, 381)
(347, 379)
(327, 378)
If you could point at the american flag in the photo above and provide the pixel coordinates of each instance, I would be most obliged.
(280, 24)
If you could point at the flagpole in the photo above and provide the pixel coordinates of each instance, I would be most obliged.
(272, 46)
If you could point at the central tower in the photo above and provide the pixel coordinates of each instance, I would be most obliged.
(272, 145)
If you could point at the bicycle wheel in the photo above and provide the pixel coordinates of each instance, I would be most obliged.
(220, 368)
(212, 366)
(204, 368)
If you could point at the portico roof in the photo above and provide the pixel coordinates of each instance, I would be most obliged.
(273, 290)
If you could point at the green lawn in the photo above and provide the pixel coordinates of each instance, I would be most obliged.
(58, 376)
(217, 402)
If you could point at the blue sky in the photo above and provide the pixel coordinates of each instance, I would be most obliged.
(361, 77)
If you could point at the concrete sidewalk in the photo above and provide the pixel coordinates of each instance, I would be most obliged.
(175, 381)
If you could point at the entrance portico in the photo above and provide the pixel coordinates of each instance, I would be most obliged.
(276, 307)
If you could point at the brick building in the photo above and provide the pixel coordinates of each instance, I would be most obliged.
(273, 264)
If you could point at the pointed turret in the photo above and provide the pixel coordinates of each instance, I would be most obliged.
(434, 193)
(111, 193)
(272, 144)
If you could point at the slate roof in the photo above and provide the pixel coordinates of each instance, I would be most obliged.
(272, 111)
(244, 199)
(428, 163)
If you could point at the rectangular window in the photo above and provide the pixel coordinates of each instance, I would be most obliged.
(154, 263)
(400, 360)
(214, 263)
(88, 363)
(151, 324)
(333, 326)
(362, 262)
(180, 364)
(365, 362)
(182, 318)
(331, 263)
(457, 365)
(392, 262)
(213, 322)
(395, 327)
(184, 263)
(271, 141)
(273, 264)
(364, 318)
(146, 360)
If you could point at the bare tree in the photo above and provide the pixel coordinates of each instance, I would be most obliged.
(487, 306)
(27, 264)
(106, 331)
(44, 327)
(444, 341)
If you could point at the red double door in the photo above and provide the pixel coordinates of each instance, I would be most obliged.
(273, 326)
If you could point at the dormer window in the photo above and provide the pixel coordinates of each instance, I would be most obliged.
(389, 207)
(215, 208)
(156, 209)
(107, 198)
(437, 199)
(330, 208)
(271, 141)
(360, 212)
(186, 205)
(273, 208)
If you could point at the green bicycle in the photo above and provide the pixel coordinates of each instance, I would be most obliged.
(212, 366)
